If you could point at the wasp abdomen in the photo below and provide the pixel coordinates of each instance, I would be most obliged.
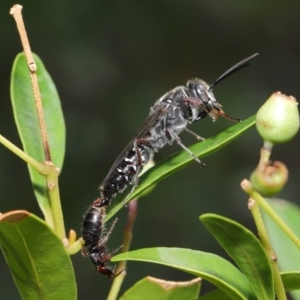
(95, 240)
(92, 225)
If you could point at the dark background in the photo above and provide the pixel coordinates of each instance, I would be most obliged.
(110, 61)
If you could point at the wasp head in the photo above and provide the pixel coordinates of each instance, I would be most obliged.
(205, 99)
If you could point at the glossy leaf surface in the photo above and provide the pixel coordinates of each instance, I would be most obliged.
(208, 266)
(288, 254)
(26, 118)
(153, 288)
(36, 257)
(246, 250)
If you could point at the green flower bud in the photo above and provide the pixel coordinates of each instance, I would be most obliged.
(269, 178)
(277, 121)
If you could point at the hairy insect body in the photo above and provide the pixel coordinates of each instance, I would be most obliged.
(92, 226)
(170, 115)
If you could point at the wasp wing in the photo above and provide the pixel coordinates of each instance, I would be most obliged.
(155, 117)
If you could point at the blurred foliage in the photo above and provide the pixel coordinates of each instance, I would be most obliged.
(110, 61)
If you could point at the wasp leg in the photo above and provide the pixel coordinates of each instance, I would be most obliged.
(104, 240)
(84, 253)
(198, 137)
(177, 139)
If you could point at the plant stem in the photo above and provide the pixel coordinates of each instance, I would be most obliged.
(247, 187)
(265, 154)
(127, 238)
(267, 208)
(41, 168)
(53, 190)
(16, 12)
(56, 221)
(260, 202)
(75, 247)
(263, 235)
(51, 172)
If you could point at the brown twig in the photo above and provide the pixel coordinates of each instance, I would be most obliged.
(16, 12)
(52, 174)
(127, 238)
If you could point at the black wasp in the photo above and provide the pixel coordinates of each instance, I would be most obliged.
(95, 239)
(169, 116)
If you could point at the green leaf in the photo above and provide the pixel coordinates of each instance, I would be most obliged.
(26, 118)
(246, 250)
(208, 266)
(291, 281)
(180, 160)
(290, 214)
(215, 295)
(36, 257)
(288, 254)
(153, 288)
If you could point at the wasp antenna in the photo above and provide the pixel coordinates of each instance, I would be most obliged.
(238, 66)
